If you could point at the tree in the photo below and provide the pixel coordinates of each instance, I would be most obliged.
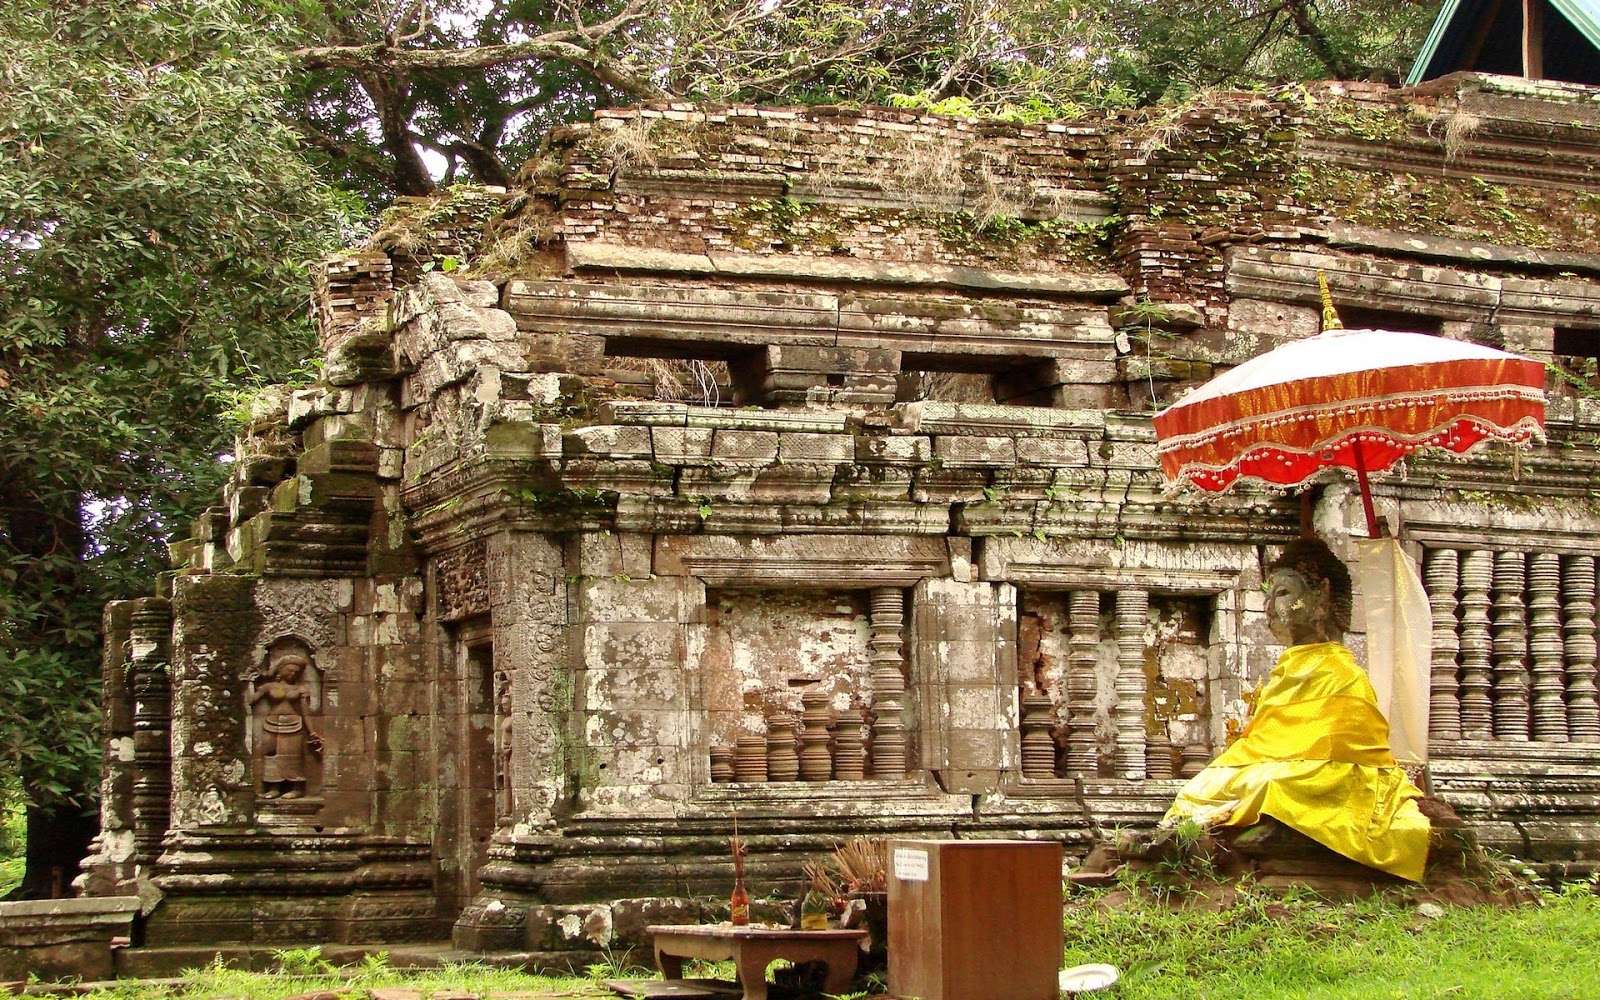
(1176, 47)
(477, 83)
(480, 84)
(155, 222)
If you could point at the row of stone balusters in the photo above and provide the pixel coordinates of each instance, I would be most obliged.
(1041, 758)
(1514, 651)
(828, 745)
(1137, 755)
(835, 748)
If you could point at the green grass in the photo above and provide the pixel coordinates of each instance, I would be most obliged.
(303, 970)
(1285, 949)
(1302, 949)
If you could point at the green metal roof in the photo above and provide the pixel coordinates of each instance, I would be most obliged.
(1444, 48)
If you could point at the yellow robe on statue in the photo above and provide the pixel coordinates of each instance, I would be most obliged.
(1315, 756)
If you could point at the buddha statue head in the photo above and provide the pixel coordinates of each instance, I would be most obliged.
(1308, 594)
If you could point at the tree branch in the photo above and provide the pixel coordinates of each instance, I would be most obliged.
(579, 47)
(1312, 35)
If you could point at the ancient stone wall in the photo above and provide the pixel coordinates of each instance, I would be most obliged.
(798, 463)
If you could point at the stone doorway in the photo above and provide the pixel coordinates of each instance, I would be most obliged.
(481, 781)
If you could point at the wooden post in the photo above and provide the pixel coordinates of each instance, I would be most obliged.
(1533, 39)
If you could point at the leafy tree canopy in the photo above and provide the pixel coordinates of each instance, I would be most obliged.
(156, 218)
(477, 82)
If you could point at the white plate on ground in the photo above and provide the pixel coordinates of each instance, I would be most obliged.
(1085, 978)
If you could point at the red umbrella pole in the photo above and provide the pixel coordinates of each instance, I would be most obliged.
(1366, 489)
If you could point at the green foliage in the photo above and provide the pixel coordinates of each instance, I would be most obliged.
(1466, 208)
(301, 962)
(377, 79)
(13, 836)
(155, 223)
(1174, 49)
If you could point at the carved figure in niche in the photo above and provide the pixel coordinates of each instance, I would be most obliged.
(1315, 754)
(280, 702)
(502, 746)
(213, 811)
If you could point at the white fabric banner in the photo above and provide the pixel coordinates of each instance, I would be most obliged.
(1399, 643)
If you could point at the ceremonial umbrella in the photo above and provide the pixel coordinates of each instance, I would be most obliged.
(1352, 399)
(1359, 400)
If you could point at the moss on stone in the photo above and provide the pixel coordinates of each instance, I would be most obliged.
(1468, 208)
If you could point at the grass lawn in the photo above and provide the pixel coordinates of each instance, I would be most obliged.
(1263, 947)
(1302, 949)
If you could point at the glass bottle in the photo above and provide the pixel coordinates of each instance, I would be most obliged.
(814, 910)
(739, 903)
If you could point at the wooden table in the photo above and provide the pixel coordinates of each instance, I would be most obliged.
(754, 948)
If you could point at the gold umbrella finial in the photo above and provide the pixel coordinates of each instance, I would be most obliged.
(1330, 316)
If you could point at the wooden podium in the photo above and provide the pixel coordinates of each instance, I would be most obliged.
(974, 919)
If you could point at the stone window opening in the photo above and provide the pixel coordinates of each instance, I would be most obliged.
(1577, 351)
(1115, 684)
(1365, 318)
(1514, 651)
(670, 376)
(805, 685)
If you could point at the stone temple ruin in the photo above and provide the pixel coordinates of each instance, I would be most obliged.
(798, 463)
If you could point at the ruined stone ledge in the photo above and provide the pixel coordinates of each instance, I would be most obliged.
(871, 796)
(1496, 159)
(1496, 478)
(1483, 522)
(1468, 82)
(1087, 204)
(655, 414)
(1572, 419)
(1431, 247)
(61, 938)
(983, 419)
(602, 256)
(1504, 758)
(1291, 277)
(717, 185)
(874, 517)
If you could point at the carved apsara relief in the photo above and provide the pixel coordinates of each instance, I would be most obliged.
(284, 702)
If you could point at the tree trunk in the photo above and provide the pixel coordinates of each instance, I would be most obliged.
(37, 528)
(1311, 34)
(58, 841)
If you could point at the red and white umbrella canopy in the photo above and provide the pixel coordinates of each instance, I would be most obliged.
(1357, 399)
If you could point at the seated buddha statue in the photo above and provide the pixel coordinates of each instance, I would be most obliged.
(1315, 754)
